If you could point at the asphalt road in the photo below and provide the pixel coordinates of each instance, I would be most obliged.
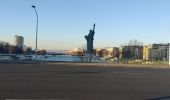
(83, 82)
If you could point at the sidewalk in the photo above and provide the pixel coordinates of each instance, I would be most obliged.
(111, 65)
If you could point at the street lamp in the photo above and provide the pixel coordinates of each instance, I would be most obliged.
(33, 6)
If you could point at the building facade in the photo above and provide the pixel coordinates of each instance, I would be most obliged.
(19, 41)
(159, 51)
(146, 52)
(132, 52)
(109, 52)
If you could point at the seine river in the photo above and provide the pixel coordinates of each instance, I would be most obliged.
(58, 58)
(65, 58)
(61, 58)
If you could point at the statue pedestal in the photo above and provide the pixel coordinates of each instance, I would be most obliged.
(89, 57)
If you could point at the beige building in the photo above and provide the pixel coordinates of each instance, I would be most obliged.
(98, 52)
(146, 52)
(76, 52)
(111, 52)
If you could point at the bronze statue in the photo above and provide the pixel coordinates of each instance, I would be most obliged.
(90, 38)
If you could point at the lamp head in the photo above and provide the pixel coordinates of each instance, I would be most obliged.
(33, 6)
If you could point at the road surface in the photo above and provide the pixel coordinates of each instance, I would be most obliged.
(83, 82)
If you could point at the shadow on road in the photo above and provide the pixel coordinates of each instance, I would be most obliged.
(161, 98)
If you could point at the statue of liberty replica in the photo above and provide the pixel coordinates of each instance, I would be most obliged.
(90, 38)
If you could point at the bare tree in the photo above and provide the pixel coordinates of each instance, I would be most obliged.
(81, 53)
(135, 42)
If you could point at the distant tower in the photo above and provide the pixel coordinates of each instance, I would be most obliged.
(19, 41)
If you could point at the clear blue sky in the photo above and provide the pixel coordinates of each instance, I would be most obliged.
(63, 23)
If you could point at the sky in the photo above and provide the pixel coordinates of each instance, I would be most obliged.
(64, 23)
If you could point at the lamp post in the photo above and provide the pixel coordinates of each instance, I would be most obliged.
(33, 6)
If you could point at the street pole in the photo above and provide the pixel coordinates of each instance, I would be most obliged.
(36, 27)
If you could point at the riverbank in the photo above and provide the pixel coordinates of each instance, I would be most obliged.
(24, 59)
(108, 65)
(20, 62)
(63, 63)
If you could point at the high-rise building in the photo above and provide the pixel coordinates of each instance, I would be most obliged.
(19, 41)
